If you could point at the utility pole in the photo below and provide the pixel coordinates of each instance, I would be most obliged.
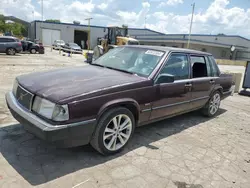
(42, 8)
(89, 32)
(33, 14)
(191, 23)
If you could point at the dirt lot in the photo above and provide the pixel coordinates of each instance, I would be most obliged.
(189, 151)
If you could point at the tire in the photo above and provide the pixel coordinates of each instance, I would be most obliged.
(33, 51)
(10, 51)
(213, 105)
(116, 139)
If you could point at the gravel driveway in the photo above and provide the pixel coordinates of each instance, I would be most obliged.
(188, 151)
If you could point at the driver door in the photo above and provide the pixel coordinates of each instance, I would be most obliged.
(173, 98)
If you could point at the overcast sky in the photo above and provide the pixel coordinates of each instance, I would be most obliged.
(167, 16)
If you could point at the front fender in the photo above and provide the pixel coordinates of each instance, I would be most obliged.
(118, 102)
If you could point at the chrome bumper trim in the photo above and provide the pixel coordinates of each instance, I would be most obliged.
(32, 118)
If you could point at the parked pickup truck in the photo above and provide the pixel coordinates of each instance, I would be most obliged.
(102, 103)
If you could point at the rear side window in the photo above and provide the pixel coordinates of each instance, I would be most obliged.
(199, 66)
(3, 40)
(214, 67)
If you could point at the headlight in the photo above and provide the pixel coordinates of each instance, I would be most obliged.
(15, 85)
(50, 110)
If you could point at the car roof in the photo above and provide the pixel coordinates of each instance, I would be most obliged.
(10, 37)
(170, 49)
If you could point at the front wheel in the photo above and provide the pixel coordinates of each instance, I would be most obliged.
(213, 105)
(11, 51)
(33, 51)
(114, 130)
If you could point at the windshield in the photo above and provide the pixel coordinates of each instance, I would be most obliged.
(134, 60)
(59, 41)
(73, 44)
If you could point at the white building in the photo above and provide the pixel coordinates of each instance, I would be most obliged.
(218, 45)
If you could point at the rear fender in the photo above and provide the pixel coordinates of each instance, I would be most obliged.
(217, 88)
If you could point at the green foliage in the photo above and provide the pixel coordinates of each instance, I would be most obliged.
(53, 21)
(16, 28)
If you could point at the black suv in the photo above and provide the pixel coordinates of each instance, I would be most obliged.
(10, 45)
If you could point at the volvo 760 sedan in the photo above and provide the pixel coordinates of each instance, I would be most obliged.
(102, 103)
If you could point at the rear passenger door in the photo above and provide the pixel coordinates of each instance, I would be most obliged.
(203, 81)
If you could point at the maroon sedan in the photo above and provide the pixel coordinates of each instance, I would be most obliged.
(104, 102)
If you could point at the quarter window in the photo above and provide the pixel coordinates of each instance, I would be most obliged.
(177, 66)
(214, 66)
(209, 71)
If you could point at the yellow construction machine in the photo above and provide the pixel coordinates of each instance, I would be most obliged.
(116, 36)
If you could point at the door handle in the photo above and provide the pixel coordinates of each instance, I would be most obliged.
(188, 85)
(212, 81)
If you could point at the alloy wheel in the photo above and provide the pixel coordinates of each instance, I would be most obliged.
(33, 51)
(117, 132)
(214, 104)
(11, 51)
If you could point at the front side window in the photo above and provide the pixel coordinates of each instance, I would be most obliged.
(139, 61)
(177, 66)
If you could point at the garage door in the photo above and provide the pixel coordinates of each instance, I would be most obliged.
(50, 35)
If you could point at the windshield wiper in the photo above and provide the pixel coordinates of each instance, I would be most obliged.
(120, 70)
(95, 64)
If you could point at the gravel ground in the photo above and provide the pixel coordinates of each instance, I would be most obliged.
(188, 151)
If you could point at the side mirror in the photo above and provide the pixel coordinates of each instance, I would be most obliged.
(165, 78)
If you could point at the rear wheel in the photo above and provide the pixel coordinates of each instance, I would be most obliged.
(33, 51)
(212, 105)
(11, 51)
(113, 131)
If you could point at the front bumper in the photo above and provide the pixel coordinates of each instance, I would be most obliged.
(67, 135)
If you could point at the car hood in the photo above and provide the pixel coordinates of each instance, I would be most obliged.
(60, 84)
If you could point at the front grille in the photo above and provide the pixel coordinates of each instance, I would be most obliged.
(24, 97)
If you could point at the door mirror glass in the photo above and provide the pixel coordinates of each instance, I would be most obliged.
(165, 78)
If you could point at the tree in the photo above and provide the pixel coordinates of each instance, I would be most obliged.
(16, 29)
(53, 21)
(2, 23)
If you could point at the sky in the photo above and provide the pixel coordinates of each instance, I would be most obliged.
(231, 17)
